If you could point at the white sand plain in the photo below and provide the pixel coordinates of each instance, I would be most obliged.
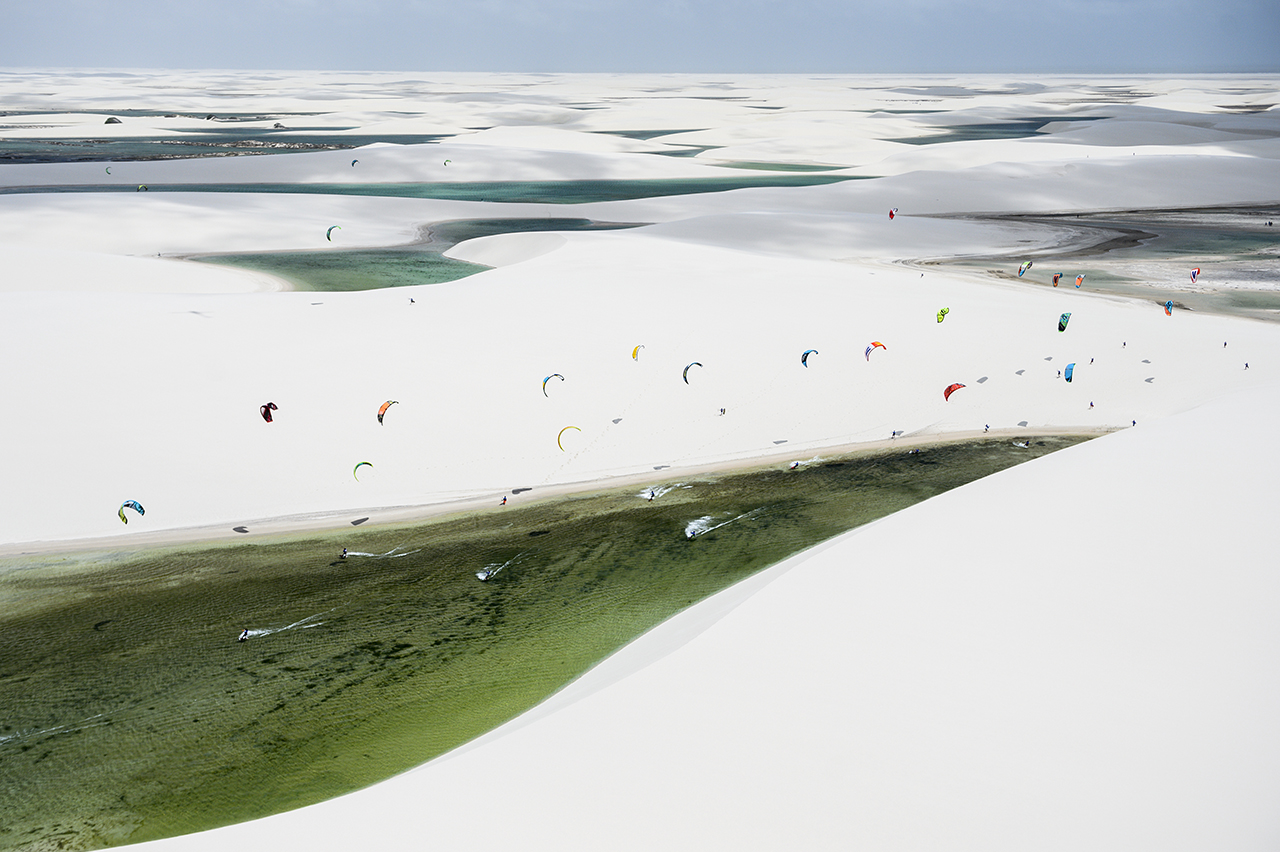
(1077, 653)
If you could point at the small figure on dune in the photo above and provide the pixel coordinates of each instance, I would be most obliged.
(244, 634)
(504, 500)
(343, 554)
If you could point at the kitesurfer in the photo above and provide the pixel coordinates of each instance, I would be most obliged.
(986, 428)
(244, 634)
(650, 495)
(1091, 404)
(343, 555)
(504, 500)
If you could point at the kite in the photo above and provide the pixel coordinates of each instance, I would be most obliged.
(1063, 320)
(561, 435)
(1066, 374)
(447, 162)
(804, 359)
(893, 211)
(873, 345)
(357, 467)
(131, 504)
(108, 170)
(952, 388)
(266, 411)
(549, 378)
(1057, 276)
(686, 370)
(385, 406)
(635, 353)
(1195, 273)
(1168, 308)
(328, 235)
(1023, 268)
(353, 163)
(142, 187)
(1079, 280)
(943, 313)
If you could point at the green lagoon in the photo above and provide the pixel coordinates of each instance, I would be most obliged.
(130, 711)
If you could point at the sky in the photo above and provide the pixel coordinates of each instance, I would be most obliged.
(678, 36)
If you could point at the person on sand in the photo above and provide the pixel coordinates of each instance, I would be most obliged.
(986, 428)
(244, 634)
(1091, 404)
(1246, 365)
(504, 500)
(651, 495)
(343, 554)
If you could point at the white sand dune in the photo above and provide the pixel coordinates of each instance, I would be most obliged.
(1075, 652)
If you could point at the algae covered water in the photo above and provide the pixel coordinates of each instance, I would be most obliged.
(130, 711)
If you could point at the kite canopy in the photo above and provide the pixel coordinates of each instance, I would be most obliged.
(893, 211)
(1024, 267)
(385, 406)
(686, 370)
(1195, 273)
(1057, 276)
(447, 162)
(1063, 320)
(549, 378)
(942, 314)
(635, 353)
(357, 467)
(1079, 280)
(804, 359)
(266, 411)
(561, 435)
(952, 388)
(1066, 374)
(1168, 308)
(873, 345)
(142, 187)
(131, 504)
(328, 235)
(353, 163)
